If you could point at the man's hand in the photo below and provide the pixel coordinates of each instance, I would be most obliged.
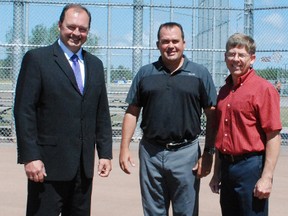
(203, 167)
(263, 188)
(104, 167)
(125, 159)
(35, 171)
(215, 184)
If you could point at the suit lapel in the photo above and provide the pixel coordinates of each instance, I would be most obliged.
(87, 71)
(64, 65)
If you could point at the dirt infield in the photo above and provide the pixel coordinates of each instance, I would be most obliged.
(119, 194)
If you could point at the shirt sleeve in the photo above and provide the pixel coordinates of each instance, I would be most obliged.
(133, 96)
(210, 88)
(267, 105)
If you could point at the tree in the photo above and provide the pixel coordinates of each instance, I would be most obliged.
(39, 35)
(6, 64)
(53, 33)
(270, 73)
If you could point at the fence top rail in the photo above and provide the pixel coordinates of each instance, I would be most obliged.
(151, 5)
(116, 4)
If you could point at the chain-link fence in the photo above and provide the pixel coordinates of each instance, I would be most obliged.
(123, 36)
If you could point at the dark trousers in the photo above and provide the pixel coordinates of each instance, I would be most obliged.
(70, 198)
(237, 185)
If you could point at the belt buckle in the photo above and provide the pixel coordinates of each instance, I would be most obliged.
(168, 145)
(173, 144)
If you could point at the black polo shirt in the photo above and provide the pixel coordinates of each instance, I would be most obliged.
(172, 103)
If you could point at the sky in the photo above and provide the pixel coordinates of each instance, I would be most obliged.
(269, 28)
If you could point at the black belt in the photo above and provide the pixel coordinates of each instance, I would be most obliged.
(236, 158)
(171, 145)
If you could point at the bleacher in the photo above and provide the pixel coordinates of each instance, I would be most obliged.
(116, 95)
(6, 103)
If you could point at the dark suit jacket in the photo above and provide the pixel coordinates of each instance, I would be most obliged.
(54, 122)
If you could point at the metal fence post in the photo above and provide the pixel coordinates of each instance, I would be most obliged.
(108, 44)
(18, 29)
(137, 44)
(248, 17)
(137, 35)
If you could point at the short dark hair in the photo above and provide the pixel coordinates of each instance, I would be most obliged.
(241, 40)
(170, 25)
(76, 6)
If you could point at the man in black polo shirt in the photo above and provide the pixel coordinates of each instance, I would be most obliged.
(172, 92)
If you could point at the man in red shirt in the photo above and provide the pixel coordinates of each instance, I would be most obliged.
(248, 137)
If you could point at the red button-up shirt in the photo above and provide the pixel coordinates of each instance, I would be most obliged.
(246, 113)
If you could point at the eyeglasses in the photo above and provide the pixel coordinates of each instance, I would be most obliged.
(233, 55)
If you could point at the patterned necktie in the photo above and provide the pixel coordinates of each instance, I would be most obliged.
(77, 72)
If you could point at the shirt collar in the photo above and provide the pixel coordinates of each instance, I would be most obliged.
(68, 53)
(160, 65)
(242, 78)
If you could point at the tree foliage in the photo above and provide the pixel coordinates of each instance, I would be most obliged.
(39, 35)
(272, 73)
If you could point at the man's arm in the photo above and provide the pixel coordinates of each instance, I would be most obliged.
(263, 187)
(128, 128)
(205, 162)
(27, 94)
(216, 178)
(25, 115)
(210, 127)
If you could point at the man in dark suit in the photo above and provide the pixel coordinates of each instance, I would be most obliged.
(60, 121)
